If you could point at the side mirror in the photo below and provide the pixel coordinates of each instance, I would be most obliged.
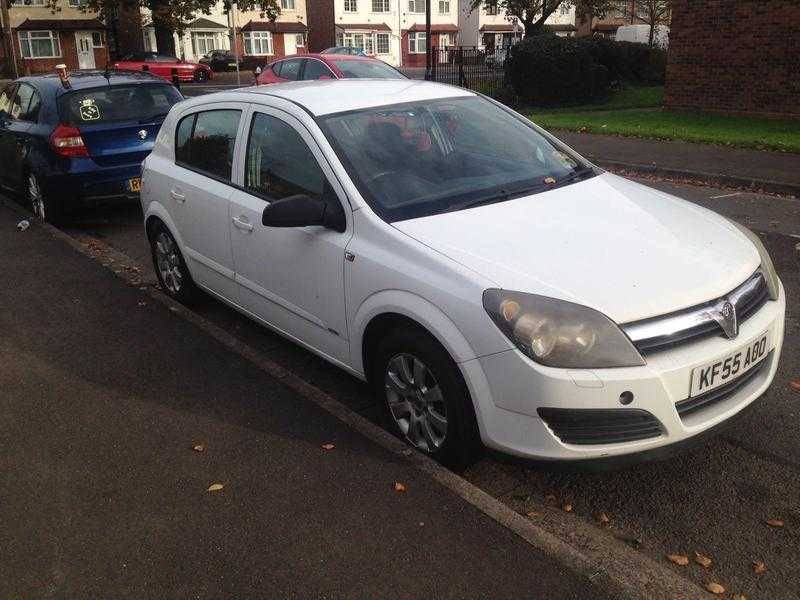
(302, 211)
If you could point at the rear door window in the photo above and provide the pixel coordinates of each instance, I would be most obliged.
(315, 69)
(142, 103)
(5, 99)
(205, 142)
(25, 105)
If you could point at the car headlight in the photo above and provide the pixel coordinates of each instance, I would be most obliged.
(767, 267)
(557, 333)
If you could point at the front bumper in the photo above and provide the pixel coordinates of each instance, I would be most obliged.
(509, 389)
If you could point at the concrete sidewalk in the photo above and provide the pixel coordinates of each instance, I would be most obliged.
(105, 393)
(774, 172)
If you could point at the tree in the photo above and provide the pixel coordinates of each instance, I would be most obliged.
(170, 16)
(11, 66)
(533, 13)
(649, 12)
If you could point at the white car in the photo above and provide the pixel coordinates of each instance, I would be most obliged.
(493, 286)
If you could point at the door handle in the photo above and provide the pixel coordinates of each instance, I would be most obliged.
(242, 223)
(177, 196)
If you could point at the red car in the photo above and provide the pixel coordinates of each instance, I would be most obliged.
(303, 67)
(162, 65)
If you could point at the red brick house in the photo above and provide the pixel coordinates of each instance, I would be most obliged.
(44, 43)
(736, 56)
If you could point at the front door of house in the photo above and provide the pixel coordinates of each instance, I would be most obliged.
(83, 42)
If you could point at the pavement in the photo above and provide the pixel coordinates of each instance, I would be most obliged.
(774, 172)
(714, 499)
(105, 394)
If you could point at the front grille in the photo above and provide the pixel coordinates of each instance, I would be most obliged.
(695, 323)
(585, 426)
(692, 405)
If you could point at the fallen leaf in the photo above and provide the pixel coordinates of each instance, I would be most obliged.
(796, 383)
(678, 559)
(199, 448)
(328, 446)
(399, 487)
(759, 567)
(215, 487)
(739, 597)
(715, 588)
(775, 523)
(567, 508)
(533, 514)
(602, 518)
(702, 560)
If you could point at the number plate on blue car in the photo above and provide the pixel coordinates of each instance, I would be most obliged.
(725, 370)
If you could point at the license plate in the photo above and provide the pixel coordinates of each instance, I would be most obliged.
(720, 372)
(135, 184)
(231, 64)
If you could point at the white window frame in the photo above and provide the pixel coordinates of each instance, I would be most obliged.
(378, 35)
(77, 3)
(27, 37)
(35, 3)
(383, 6)
(205, 36)
(443, 3)
(350, 6)
(416, 37)
(300, 40)
(261, 37)
(414, 6)
(102, 39)
(287, 5)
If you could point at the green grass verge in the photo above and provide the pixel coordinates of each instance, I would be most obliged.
(629, 97)
(743, 132)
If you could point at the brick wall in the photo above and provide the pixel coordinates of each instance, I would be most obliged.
(415, 60)
(735, 56)
(69, 57)
(321, 25)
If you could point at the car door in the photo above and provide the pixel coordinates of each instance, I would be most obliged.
(292, 278)
(200, 189)
(7, 141)
(316, 69)
(24, 113)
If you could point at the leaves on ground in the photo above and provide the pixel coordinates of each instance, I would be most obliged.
(399, 487)
(775, 522)
(328, 446)
(715, 588)
(215, 487)
(199, 448)
(759, 568)
(702, 560)
(602, 518)
(567, 507)
(796, 383)
(739, 597)
(678, 559)
(532, 514)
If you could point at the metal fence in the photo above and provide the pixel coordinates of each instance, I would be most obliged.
(479, 69)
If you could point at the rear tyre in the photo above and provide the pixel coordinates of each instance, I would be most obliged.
(424, 399)
(171, 271)
(200, 75)
(44, 205)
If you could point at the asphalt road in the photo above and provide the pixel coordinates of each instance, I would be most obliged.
(713, 500)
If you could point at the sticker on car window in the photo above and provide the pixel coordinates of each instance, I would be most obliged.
(89, 110)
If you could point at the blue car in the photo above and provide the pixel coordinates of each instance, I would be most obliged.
(79, 141)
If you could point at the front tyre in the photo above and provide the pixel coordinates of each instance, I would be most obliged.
(200, 75)
(171, 271)
(42, 204)
(424, 397)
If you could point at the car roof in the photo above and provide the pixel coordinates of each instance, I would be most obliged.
(323, 97)
(329, 57)
(90, 79)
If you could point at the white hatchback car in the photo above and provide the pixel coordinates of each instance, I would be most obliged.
(491, 285)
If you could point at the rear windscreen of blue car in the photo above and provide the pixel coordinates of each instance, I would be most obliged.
(142, 103)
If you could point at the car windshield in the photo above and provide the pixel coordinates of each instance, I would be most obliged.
(140, 102)
(367, 69)
(417, 159)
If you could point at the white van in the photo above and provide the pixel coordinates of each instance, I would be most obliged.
(641, 34)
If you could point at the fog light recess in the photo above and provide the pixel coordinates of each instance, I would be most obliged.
(626, 398)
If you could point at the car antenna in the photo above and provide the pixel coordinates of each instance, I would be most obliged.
(107, 73)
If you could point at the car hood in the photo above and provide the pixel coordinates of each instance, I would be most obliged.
(622, 248)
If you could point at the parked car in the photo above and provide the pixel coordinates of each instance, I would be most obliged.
(488, 282)
(162, 65)
(349, 50)
(325, 66)
(221, 60)
(62, 146)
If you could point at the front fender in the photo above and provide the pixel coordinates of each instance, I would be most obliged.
(415, 308)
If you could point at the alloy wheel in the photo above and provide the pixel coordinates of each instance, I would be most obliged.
(36, 198)
(169, 262)
(415, 402)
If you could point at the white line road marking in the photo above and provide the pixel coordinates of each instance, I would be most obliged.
(726, 195)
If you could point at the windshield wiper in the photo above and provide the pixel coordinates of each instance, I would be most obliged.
(152, 118)
(501, 196)
(576, 175)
